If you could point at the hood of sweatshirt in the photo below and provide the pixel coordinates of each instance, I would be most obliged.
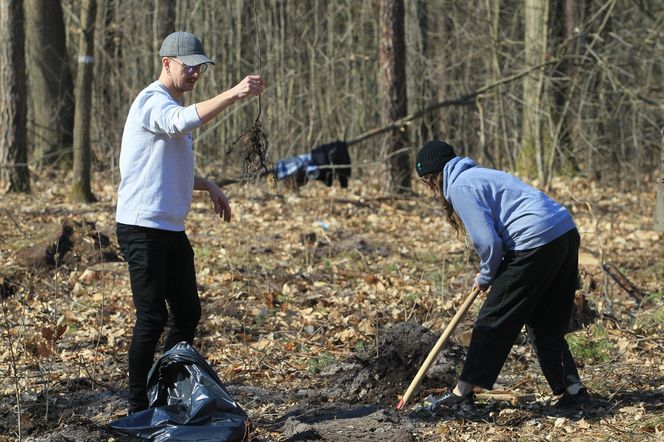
(455, 167)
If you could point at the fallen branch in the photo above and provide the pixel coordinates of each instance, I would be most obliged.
(502, 397)
(463, 100)
(632, 290)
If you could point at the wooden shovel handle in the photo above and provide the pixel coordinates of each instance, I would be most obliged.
(436, 348)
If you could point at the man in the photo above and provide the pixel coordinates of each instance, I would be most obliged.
(154, 197)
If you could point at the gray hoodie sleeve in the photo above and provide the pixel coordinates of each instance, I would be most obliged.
(479, 223)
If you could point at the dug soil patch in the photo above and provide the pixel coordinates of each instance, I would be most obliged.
(382, 374)
(365, 423)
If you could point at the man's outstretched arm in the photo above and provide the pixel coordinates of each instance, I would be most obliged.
(251, 85)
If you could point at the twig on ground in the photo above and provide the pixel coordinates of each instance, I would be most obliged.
(13, 366)
(100, 333)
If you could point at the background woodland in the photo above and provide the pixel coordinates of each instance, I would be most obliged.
(310, 293)
(539, 87)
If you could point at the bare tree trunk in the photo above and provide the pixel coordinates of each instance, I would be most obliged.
(531, 157)
(50, 83)
(13, 107)
(110, 87)
(81, 190)
(425, 90)
(572, 20)
(393, 86)
(162, 25)
(566, 93)
(448, 121)
(497, 152)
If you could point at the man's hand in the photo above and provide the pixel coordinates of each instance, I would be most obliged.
(221, 205)
(250, 85)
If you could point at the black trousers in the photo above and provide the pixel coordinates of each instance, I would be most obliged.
(161, 270)
(534, 288)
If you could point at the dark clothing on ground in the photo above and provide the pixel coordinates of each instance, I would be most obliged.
(336, 155)
(315, 165)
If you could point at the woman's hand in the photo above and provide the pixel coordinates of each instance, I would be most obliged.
(477, 286)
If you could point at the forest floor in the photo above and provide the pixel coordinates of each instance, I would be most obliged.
(319, 306)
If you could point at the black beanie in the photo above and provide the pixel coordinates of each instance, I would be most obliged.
(433, 156)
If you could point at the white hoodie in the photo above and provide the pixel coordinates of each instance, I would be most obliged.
(156, 161)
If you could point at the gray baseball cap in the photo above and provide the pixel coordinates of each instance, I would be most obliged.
(185, 47)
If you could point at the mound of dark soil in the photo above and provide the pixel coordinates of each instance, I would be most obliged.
(383, 373)
(75, 241)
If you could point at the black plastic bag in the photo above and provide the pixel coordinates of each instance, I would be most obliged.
(188, 402)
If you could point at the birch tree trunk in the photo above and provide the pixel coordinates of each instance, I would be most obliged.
(393, 87)
(659, 208)
(531, 157)
(13, 108)
(81, 190)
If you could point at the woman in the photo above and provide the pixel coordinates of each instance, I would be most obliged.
(528, 247)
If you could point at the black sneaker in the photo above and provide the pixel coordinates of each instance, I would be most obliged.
(579, 400)
(451, 401)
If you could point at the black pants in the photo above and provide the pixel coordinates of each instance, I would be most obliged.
(161, 270)
(533, 288)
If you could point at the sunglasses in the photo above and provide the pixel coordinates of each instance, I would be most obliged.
(190, 70)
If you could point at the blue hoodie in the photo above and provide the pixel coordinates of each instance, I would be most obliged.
(501, 213)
